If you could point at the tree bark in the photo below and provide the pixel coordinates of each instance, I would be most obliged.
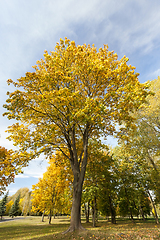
(157, 171)
(78, 168)
(142, 213)
(112, 210)
(94, 212)
(152, 162)
(43, 216)
(75, 223)
(131, 215)
(86, 209)
(154, 207)
(50, 216)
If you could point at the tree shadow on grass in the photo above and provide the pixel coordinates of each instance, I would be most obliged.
(39, 231)
(66, 220)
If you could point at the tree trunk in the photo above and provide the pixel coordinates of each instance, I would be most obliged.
(86, 209)
(50, 216)
(93, 216)
(152, 162)
(112, 210)
(75, 212)
(131, 215)
(43, 216)
(75, 223)
(78, 166)
(94, 212)
(156, 169)
(142, 213)
(154, 207)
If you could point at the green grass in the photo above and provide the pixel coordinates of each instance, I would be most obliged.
(33, 228)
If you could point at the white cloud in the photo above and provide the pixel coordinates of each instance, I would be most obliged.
(157, 72)
(36, 168)
(21, 176)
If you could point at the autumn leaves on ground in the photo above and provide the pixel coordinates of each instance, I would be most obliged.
(73, 100)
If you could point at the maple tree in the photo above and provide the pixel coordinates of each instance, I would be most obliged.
(73, 94)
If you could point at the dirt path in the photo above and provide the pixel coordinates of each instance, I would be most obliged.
(6, 219)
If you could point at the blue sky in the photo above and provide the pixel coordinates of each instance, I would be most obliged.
(27, 28)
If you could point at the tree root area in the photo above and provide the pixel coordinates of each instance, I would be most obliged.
(73, 229)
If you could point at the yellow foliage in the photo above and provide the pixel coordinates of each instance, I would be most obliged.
(49, 193)
(9, 167)
(73, 87)
(8, 206)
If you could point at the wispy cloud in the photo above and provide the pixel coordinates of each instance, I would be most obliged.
(21, 176)
(36, 168)
(155, 74)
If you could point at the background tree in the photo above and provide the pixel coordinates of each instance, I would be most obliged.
(108, 185)
(75, 93)
(3, 204)
(49, 193)
(98, 177)
(25, 201)
(15, 209)
(134, 181)
(143, 141)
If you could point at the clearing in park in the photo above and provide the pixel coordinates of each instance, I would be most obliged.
(33, 228)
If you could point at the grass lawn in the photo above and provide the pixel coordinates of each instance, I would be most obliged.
(33, 228)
